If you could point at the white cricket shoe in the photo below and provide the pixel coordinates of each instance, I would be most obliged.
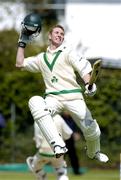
(101, 157)
(63, 177)
(59, 151)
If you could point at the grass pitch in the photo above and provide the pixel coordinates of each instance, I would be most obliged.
(92, 174)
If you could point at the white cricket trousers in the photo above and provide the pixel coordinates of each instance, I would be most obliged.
(83, 118)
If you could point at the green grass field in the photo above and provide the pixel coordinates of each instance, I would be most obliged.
(92, 174)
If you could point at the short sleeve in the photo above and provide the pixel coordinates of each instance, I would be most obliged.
(32, 64)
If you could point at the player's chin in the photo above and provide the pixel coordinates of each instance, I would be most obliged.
(58, 44)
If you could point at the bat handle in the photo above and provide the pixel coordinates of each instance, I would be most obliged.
(90, 87)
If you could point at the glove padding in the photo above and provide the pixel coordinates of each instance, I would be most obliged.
(92, 91)
(26, 36)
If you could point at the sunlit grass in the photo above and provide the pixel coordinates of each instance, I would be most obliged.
(92, 174)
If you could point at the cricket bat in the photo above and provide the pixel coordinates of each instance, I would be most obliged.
(95, 73)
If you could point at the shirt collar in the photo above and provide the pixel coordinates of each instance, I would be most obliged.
(60, 48)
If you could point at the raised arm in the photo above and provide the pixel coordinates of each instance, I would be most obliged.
(30, 28)
(19, 57)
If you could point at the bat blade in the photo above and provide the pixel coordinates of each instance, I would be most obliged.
(95, 73)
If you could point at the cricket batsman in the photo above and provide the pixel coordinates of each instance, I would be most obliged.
(58, 66)
(46, 155)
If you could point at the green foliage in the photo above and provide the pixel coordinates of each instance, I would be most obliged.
(8, 44)
(16, 87)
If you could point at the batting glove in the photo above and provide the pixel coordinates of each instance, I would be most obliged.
(26, 36)
(92, 91)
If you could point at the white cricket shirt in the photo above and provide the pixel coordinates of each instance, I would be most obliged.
(58, 70)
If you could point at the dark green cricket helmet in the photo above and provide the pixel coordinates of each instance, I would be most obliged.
(33, 22)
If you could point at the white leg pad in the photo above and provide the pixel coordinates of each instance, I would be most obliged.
(62, 172)
(93, 147)
(45, 122)
(50, 132)
(91, 131)
(37, 107)
(41, 175)
(92, 137)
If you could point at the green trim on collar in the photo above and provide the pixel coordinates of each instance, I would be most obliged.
(50, 66)
(64, 92)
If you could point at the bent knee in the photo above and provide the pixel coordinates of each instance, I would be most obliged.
(37, 107)
(93, 131)
(36, 101)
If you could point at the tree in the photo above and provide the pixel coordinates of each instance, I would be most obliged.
(16, 87)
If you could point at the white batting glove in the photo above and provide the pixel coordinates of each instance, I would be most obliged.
(92, 91)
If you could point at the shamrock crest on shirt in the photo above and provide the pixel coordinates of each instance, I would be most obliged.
(54, 79)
